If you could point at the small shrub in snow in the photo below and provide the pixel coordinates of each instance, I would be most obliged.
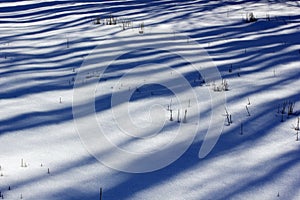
(297, 128)
(126, 23)
(291, 106)
(250, 17)
(224, 86)
(178, 116)
(228, 117)
(142, 26)
(110, 21)
(171, 115)
(247, 109)
(228, 120)
(184, 118)
(282, 107)
(101, 192)
(23, 164)
(249, 103)
(286, 106)
(230, 69)
(97, 20)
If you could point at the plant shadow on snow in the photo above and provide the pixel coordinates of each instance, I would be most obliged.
(229, 142)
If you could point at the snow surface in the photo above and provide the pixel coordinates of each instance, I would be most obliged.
(43, 45)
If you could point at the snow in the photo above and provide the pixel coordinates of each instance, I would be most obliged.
(52, 57)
